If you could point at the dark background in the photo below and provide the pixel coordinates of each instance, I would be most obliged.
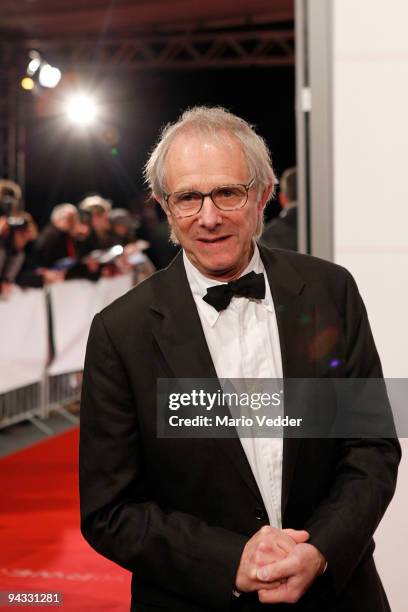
(64, 164)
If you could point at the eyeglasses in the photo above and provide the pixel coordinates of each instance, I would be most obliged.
(189, 203)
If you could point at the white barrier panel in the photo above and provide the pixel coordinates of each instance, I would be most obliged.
(74, 305)
(109, 289)
(24, 339)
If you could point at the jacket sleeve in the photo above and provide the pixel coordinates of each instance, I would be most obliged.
(343, 524)
(176, 551)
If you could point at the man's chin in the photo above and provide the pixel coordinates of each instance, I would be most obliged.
(216, 268)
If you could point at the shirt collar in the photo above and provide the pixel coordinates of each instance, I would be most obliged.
(200, 283)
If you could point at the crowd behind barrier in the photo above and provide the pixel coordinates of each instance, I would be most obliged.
(89, 241)
(44, 333)
(44, 321)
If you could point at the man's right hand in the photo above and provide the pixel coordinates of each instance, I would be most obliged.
(269, 544)
(4, 226)
(52, 276)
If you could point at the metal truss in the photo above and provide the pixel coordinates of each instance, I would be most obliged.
(175, 51)
(189, 50)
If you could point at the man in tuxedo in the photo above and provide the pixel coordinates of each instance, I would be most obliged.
(281, 232)
(229, 524)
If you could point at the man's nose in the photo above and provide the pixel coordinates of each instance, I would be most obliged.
(209, 215)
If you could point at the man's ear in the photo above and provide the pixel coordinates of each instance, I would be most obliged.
(163, 205)
(264, 197)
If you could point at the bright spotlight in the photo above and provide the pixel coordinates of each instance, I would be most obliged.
(27, 83)
(49, 76)
(81, 109)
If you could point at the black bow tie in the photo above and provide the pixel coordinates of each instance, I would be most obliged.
(250, 286)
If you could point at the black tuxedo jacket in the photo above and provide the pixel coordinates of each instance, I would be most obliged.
(177, 513)
(282, 231)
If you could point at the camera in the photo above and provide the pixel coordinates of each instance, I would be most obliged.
(17, 223)
(8, 202)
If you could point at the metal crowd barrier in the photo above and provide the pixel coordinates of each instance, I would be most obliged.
(35, 402)
(21, 404)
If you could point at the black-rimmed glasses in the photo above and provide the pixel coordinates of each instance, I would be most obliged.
(226, 197)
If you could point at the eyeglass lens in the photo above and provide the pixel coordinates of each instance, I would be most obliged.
(226, 197)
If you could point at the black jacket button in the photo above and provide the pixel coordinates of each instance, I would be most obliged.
(260, 514)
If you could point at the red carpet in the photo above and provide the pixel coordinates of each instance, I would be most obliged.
(41, 548)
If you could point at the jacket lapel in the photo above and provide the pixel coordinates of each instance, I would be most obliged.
(177, 326)
(180, 337)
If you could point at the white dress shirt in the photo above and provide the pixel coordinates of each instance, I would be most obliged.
(243, 341)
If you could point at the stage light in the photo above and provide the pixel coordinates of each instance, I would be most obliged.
(38, 70)
(27, 83)
(81, 109)
(49, 76)
(34, 63)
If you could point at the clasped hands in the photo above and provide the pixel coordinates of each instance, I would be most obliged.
(279, 564)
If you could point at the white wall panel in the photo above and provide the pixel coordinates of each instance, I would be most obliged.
(370, 152)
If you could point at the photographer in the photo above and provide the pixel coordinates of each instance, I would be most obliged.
(99, 208)
(59, 245)
(10, 198)
(14, 245)
(10, 203)
(20, 265)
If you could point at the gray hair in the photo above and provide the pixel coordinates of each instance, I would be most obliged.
(60, 212)
(10, 187)
(212, 121)
(95, 203)
(288, 184)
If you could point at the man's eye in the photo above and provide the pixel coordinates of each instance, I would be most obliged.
(225, 192)
(228, 192)
(188, 196)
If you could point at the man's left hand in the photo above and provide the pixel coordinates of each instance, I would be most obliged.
(287, 580)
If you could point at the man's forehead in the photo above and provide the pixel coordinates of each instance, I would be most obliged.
(202, 153)
(195, 139)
